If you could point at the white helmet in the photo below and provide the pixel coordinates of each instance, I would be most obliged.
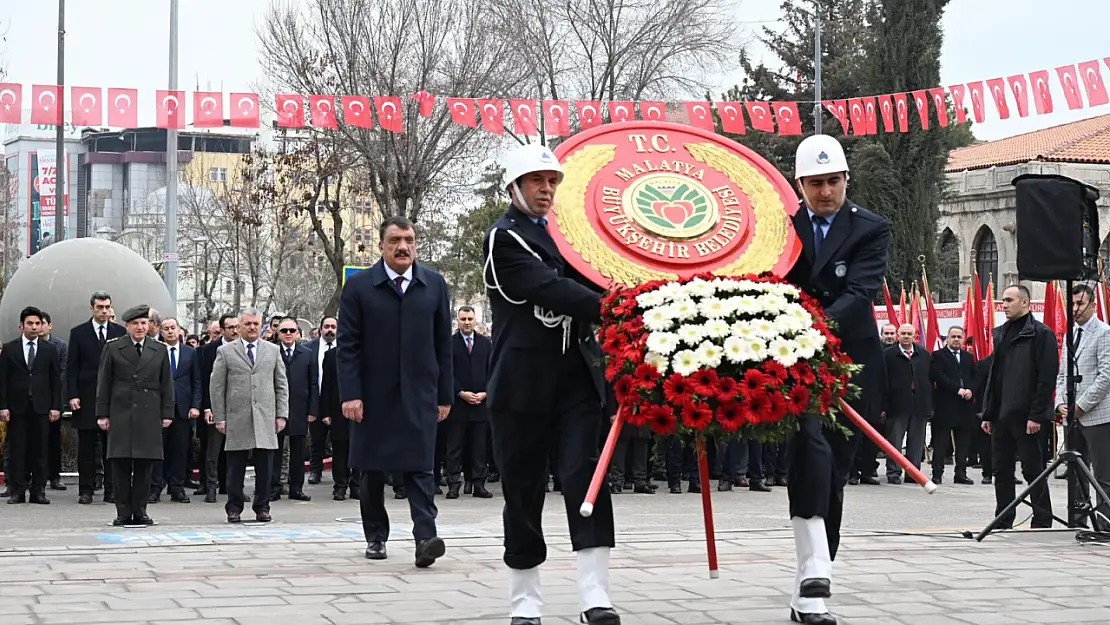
(818, 155)
(530, 158)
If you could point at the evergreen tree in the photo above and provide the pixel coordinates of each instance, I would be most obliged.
(466, 241)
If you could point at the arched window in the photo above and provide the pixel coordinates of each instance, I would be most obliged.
(946, 282)
(986, 259)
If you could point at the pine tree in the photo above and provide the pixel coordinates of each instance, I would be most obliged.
(465, 250)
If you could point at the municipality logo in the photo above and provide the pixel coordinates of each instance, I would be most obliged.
(822, 158)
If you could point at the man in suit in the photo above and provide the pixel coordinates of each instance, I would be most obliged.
(318, 430)
(396, 383)
(842, 266)
(134, 403)
(185, 369)
(54, 444)
(546, 390)
(86, 342)
(30, 400)
(331, 413)
(466, 428)
(212, 441)
(250, 405)
(908, 400)
(953, 374)
(303, 400)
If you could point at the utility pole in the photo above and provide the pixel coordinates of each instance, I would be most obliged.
(817, 115)
(170, 258)
(60, 161)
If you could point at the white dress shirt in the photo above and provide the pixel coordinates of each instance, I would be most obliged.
(393, 276)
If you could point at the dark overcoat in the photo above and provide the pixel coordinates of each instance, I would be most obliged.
(330, 406)
(135, 394)
(909, 389)
(949, 409)
(35, 390)
(82, 365)
(471, 371)
(395, 356)
(303, 393)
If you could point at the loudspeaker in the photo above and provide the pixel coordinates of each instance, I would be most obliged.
(1057, 228)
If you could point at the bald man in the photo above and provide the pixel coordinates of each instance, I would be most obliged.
(908, 400)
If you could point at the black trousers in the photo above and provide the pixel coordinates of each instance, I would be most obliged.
(340, 466)
(27, 441)
(942, 446)
(237, 472)
(1010, 443)
(820, 460)
(865, 463)
(87, 443)
(131, 481)
(175, 448)
(776, 461)
(420, 488)
(318, 439)
(460, 437)
(982, 443)
(630, 457)
(680, 459)
(54, 451)
(297, 453)
(215, 459)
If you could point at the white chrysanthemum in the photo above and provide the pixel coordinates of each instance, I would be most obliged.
(685, 362)
(684, 308)
(783, 352)
(743, 329)
(670, 291)
(713, 308)
(659, 319)
(744, 305)
(699, 288)
(662, 342)
(717, 328)
(650, 299)
(709, 354)
(773, 302)
(818, 338)
(785, 325)
(691, 334)
(659, 361)
(764, 328)
(756, 349)
(736, 350)
(795, 311)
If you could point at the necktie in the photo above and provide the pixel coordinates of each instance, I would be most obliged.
(30, 353)
(819, 224)
(173, 361)
(139, 349)
(288, 353)
(469, 344)
(250, 353)
(101, 335)
(909, 357)
(1078, 335)
(329, 347)
(398, 282)
(956, 355)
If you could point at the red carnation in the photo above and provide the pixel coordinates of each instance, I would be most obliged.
(678, 391)
(754, 380)
(775, 370)
(797, 400)
(705, 382)
(647, 376)
(625, 389)
(662, 420)
(697, 417)
(731, 416)
(727, 389)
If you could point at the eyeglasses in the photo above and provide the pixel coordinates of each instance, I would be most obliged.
(288, 331)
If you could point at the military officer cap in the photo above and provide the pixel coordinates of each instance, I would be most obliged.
(142, 311)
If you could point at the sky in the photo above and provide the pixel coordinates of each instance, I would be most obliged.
(124, 43)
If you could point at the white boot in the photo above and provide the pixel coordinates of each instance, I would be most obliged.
(524, 593)
(812, 547)
(593, 578)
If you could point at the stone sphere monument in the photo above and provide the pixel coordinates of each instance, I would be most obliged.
(60, 278)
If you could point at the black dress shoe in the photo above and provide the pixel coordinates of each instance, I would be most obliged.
(192, 484)
(203, 490)
(234, 517)
(120, 521)
(815, 588)
(600, 616)
(299, 496)
(987, 480)
(154, 498)
(399, 494)
(525, 620)
(354, 493)
(759, 486)
(453, 491)
(853, 481)
(375, 551)
(724, 486)
(263, 517)
(938, 479)
(481, 492)
(870, 480)
(339, 495)
(493, 478)
(275, 496)
(40, 498)
(810, 618)
(963, 479)
(428, 551)
(468, 489)
(84, 499)
(210, 497)
(781, 481)
(315, 477)
(143, 520)
(693, 488)
(180, 498)
(676, 489)
(56, 484)
(20, 498)
(438, 490)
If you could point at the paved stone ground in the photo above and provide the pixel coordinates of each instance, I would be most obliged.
(903, 561)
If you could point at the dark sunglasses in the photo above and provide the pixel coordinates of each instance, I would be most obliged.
(288, 331)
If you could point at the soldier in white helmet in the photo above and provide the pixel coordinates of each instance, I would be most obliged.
(845, 258)
(546, 391)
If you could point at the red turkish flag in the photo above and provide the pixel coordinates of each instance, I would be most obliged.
(699, 115)
(1092, 80)
(958, 92)
(11, 103)
(244, 112)
(1070, 83)
(839, 110)
(886, 111)
(589, 115)
(787, 115)
(392, 118)
(978, 106)
(870, 117)
(1020, 89)
(122, 108)
(524, 117)
(732, 118)
(940, 105)
(858, 116)
(87, 106)
(321, 110)
(902, 112)
(760, 115)
(493, 116)
(168, 113)
(427, 103)
(997, 87)
(290, 111)
(462, 112)
(1042, 92)
(621, 111)
(208, 109)
(556, 118)
(46, 105)
(356, 111)
(653, 111)
(921, 103)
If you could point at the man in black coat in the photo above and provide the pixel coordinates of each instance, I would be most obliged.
(842, 266)
(302, 404)
(953, 373)
(54, 446)
(546, 390)
(86, 341)
(30, 400)
(318, 430)
(184, 367)
(466, 427)
(331, 414)
(212, 442)
(908, 400)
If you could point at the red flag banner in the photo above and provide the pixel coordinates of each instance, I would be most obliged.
(87, 106)
(11, 103)
(1069, 81)
(356, 111)
(760, 115)
(123, 109)
(462, 112)
(46, 105)
(957, 92)
(732, 118)
(208, 109)
(244, 110)
(1092, 82)
(858, 117)
(653, 111)
(524, 117)
(1020, 90)
(941, 106)
(290, 111)
(621, 111)
(870, 116)
(699, 115)
(322, 111)
(1042, 93)
(589, 115)
(787, 115)
(427, 103)
(556, 118)
(391, 117)
(839, 110)
(886, 109)
(921, 103)
(902, 112)
(168, 114)
(997, 87)
(493, 116)
(978, 108)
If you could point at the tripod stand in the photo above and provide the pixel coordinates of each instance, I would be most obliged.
(1079, 503)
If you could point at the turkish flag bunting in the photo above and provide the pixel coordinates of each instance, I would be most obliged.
(620, 111)
(391, 117)
(290, 111)
(1042, 92)
(556, 118)
(46, 105)
(921, 103)
(524, 117)
(997, 88)
(957, 92)
(858, 116)
(732, 118)
(87, 106)
(653, 111)
(978, 108)
(886, 109)
(208, 109)
(902, 111)
(589, 115)
(870, 117)
(787, 115)
(940, 105)
(168, 113)
(760, 115)
(462, 112)
(839, 110)
(1020, 89)
(356, 111)
(11, 103)
(1070, 83)
(493, 116)
(1092, 80)
(427, 103)
(700, 116)
(122, 108)
(244, 111)
(321, 109)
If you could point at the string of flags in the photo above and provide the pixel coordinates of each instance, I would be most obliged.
(1080, 84)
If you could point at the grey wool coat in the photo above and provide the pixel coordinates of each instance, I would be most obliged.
(135, 394)
(249, 399)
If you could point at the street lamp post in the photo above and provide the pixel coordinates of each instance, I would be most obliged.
(170, 258)
(197, 242)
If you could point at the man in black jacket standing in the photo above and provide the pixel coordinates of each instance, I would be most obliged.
(953, 373)
(1018, 403)
(467, 425)
(303, 402)
(908, 400)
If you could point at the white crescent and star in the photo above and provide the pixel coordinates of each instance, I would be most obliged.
(49, 95)
(285, 106)
(760, 110)
(700, 111)
(919, 102)
(122, 107)
(1069, 83)
(785, 114)
(246, 105)
(324, 106)
(653, 112)
(524, 111)
(555, 111)
(490, 109)
(351, 106)
(622, 112)
(1093, 79)
(391, 107)
(732, 111)
(589, 111)
(463, 110)
(81, 101)
(857, 110)
(211, 102)
(166, 104)
(5, 93)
